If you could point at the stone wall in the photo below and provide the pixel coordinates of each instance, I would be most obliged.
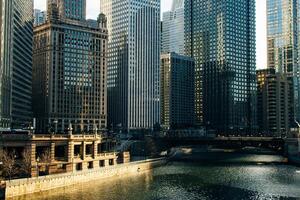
(33, 185)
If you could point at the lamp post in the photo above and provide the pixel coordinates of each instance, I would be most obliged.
(55, 126)
(37, 166)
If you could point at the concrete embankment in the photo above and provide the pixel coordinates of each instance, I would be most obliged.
(21, 187)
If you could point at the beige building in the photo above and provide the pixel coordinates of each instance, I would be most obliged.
(70, 72)
(275, 111)
(52, 154)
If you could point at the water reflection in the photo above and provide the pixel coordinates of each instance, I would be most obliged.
(189, 181)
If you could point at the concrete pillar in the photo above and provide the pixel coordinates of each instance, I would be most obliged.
(83, 150)
(70, 151)
(95, 145)
(34, 164)
(84, 165)
(106, 162)
(96, 164)
(52, 152)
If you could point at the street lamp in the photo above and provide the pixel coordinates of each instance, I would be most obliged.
(37, 166)
(55, 126)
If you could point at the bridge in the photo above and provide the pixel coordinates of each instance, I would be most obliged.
(273, 143)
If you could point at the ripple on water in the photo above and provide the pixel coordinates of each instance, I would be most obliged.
(192, 181)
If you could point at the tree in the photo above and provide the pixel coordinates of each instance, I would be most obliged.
(8, 163)
(46, 159)
(25, 165)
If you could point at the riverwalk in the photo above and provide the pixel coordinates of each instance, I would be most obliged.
(27, 186)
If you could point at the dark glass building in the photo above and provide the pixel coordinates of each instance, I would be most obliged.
(16, 32)
(283, 45)
(176, 91)
(274, 102)
(220, 36)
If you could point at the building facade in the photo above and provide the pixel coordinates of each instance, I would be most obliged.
(172, 39)
(54, 154)
(133, 62)
(16, 32)
(220, 36)
(39, 17)
(274, 102)
(70, 9)
(283, 44)
(69, 74)
(177, 91)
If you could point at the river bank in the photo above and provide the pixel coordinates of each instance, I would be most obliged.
(192, 181)
(21, 187)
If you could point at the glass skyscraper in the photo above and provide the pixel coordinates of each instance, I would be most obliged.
(16, 32)
(173, 29)
(39, 17)
(177, 91)
(220, 36)
(70, 9)
(283, 44)
(133, 63)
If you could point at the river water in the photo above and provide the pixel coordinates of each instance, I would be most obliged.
(195, 180)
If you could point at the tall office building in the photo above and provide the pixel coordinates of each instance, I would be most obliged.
(70, 9)
(274, 102)
(173, 29)
(133, 63)
(39, 17)
(16, 32)
(220, 36)
(69, 73)
(283, 44)
(177, 91)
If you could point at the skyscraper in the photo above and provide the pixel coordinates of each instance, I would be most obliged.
(177, 91)
(70, 9)
(69, 79)
(173, 29)
(283, 44)
(16, 31)
(220, 36)
(39, 17)
(133, 62)
(274, 102)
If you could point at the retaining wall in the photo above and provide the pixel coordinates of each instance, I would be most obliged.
(34, 185)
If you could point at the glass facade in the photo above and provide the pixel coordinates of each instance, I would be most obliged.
(283, 43)
(173, 29)
(177, 91)
(16, 63)
(133, 63)
(220, 36)
(71, 9)
(39, 17)
(69, 79)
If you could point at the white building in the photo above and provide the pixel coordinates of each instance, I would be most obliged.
(133, 63)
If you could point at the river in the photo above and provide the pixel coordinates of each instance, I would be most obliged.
(195, 180)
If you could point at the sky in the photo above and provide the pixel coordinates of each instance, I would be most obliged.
(93, 7)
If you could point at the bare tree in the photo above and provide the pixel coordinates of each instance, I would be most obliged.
(25, 165)
(8, 163)
(46, 159)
